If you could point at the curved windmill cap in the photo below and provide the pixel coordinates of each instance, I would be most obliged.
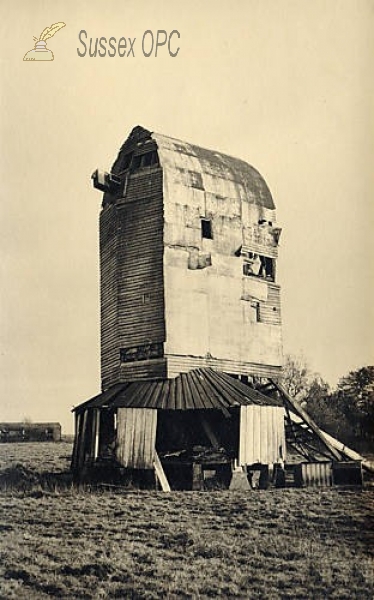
(209, 170)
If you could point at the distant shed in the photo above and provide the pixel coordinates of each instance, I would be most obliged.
(30, 432)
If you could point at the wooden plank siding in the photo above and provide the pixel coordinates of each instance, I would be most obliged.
(140, 273)
(262, 435)
(208, 315)
(182, 364)
(132, 293)
(109, 296)
(136, 437)
(314, 474)
(270, 310)
(260, 240)
(143, 369)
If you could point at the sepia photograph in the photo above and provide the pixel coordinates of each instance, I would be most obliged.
(187, 307)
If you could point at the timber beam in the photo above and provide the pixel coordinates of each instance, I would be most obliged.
(293, 405)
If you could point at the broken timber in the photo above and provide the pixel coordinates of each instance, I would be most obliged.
(189, 235)
(307, 429)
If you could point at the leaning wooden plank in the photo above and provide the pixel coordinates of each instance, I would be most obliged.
(209, 432)
(161, 474)
(295, 406)
(93, 434)
(97, 433)
(368, 465)
(344, 450)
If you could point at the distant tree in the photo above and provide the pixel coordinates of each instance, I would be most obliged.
(324, 411)
(297, 376)
(313, 393)
(354, 398)
(347, 413)
(317, 399)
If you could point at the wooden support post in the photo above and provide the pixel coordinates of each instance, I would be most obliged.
(74, 459)
(197, 476)
(93, 434)
(97, 434)
(82, 440)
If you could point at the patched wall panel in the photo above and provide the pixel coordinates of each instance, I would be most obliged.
(166, 279)
(262, 435)
(136, 437)
(207, 317)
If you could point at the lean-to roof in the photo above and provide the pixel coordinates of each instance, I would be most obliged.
(200, 389)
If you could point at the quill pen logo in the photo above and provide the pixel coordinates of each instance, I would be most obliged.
(40, 51)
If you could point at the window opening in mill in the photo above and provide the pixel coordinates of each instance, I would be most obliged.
(206, 229)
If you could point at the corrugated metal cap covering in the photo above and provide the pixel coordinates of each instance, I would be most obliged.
(200, 389)
(208, 170)
(219, 173)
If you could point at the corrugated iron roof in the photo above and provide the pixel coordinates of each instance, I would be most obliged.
(214, 172)
(200, 389)
(218, 173)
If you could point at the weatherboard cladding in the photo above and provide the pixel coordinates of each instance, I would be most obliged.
(200, 389)
(178, 364)
(144, 369)
(132, 293)
(270, 310)
(109, 296)
(259, 239)
(153, 218)
(140, 272)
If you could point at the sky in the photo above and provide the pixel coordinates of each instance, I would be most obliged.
(285, 85)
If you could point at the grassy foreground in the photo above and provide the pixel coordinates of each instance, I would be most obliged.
(66, 543)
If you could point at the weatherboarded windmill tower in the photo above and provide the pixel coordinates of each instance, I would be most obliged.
(190, 318)
(188, 246)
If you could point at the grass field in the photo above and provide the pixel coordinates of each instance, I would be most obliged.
(63, 542)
